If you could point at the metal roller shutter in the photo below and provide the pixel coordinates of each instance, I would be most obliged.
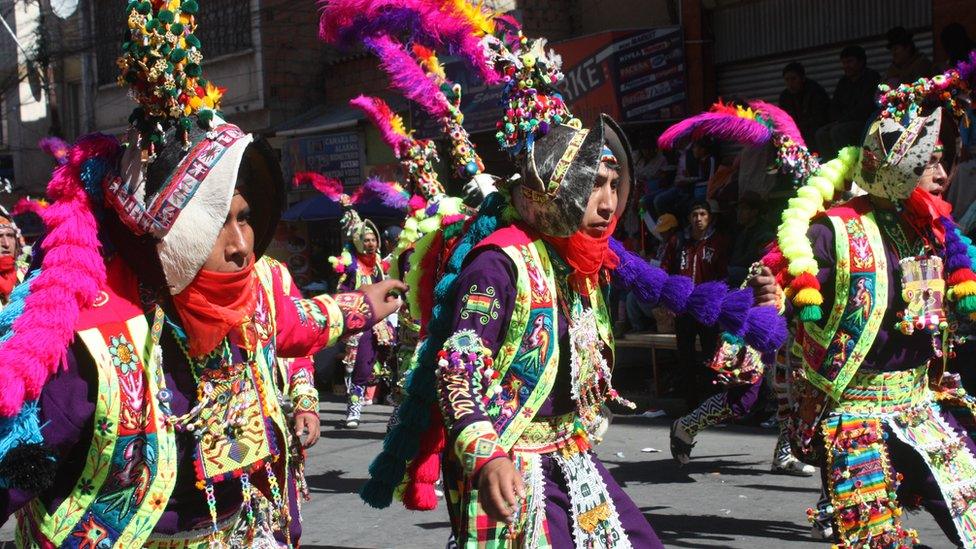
(753, 41)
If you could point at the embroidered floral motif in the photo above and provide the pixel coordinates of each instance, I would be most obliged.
(464, 374)
(484, 304)
(123, 355)
(355, 310)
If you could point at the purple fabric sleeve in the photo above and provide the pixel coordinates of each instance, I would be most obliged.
(489, 279)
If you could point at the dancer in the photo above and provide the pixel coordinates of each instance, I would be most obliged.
(510, 400)
(876, 286)
(152, 413)
(760, 125)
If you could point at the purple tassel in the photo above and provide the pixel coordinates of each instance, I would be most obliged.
(956, 262)
(735, 306)
(636, 275)
(675, 293)
(705, 301)
(765, 329)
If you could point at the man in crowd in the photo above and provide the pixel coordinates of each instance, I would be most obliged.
(804, 100)
(699, 252)
(852, 105)
(907, 63)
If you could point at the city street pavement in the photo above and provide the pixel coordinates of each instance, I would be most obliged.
(725, 497)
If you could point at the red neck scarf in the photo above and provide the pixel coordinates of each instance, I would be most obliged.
(923, 210)
(8, 275)
(586, 255)
(214, 304)
(367, 263)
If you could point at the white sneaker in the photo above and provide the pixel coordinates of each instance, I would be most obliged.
(793, 466)
(368, 402)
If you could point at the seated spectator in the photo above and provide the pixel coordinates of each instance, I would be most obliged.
(755, 175)
(853, 104)
(751, 239)
(907, 63)
(696, 166)
(956, 43)
(804, 100)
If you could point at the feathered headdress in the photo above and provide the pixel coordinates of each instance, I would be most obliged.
(161, 64)
(754, 124)
(56, 147)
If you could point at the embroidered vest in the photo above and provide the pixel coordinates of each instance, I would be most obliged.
(130, 469)
(833, 352)
(528, 359)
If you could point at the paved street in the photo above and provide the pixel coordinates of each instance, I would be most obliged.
(724, 498)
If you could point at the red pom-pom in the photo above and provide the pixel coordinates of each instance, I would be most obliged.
(805, 280)
(420, 497)
(961, 275)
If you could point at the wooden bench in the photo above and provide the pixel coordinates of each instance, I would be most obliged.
(667, 342)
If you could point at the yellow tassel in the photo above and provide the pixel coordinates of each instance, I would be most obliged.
(808, 296)
(964, 289)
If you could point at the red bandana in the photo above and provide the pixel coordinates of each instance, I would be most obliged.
(586, 255)
(367, 263)
(214, 304)
(923, 210)
(8, 275)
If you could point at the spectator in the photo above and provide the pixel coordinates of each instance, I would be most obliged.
(696, 166)
(854, 101)
(699, 252)
(956, 43)
(755, 175)
(804, 100)
(907, 63)
(751, 239)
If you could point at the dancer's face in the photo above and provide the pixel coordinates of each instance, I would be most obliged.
(235, 243)
(369, 243)
(934, 179)
(602, 203)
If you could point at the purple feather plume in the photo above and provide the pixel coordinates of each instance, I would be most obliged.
(705, 301)
(56, 147)
(782, 121)
(390, 194)
(407, 76)
(967, 69)
(735, 306)
(717, 125)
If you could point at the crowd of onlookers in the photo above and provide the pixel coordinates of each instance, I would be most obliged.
(708, 211)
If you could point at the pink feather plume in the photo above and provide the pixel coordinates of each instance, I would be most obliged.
(407, 76)
(72, 276)
(716, 125)
(25, 205)
(382, 117)
(390, 193)
(331, 188)
(782, 121)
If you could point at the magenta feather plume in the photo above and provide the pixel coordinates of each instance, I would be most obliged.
(25, 205)
(432, 23)
(382, 117)
(72, 276)
(389, 193)
(407, 76)
(722, 126)
(328, 186)
(782, 121)
(56, 147)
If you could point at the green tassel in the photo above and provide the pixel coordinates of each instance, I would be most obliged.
(193, 70)
(205, 116)
(166, 16)
(176, 28)
(731, 338)
(192, 41)
(190, 6)
(144, 8)
(811, 313)
(966, 305)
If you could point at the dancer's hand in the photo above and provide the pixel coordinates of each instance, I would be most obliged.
(500, 489)
(384, 297)
(765, 291)
(307, 424)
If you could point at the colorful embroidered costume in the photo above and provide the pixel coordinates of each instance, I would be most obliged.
(890, 276)
(143, 401)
